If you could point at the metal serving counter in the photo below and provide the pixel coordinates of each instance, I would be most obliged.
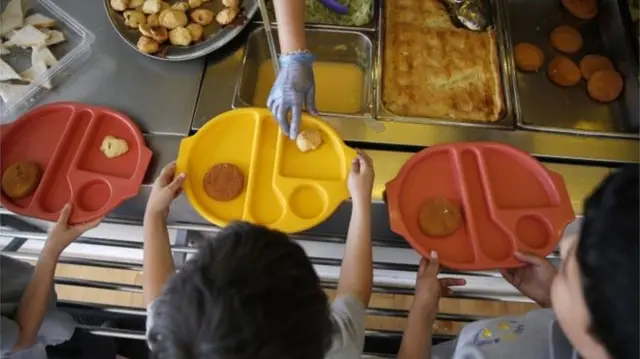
(171, 100)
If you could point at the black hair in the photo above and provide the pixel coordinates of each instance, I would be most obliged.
(607, 255)
(249, 293)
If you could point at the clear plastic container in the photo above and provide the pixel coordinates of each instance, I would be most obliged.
(71, 54)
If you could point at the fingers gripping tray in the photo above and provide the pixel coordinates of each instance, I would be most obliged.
(64, 140)
(284, 188)
(509, 202)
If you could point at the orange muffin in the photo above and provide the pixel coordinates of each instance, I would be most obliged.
(528, 57)
(21, 179)
(439, 217)
(566, 39)
(593, 63)
(224, 182)
(582, 9)
(605, 85)
(564, 72)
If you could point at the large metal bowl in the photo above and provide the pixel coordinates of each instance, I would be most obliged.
(216, 35)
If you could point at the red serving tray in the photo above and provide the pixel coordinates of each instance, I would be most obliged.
(64, 140)
(509, 202)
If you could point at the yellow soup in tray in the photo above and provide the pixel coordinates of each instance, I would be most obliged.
(339, 86)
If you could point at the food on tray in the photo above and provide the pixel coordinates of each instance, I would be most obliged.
(119, 5)
(136, 4)
(339, 86)
(27, 37)
(114, 147)
(592, 63)
(43, 54)
(439, 217)
(7, 72)
(566, 39)
(224, 182)
(431, 68)
(21, 179)
(359, 12)
(12, 17)
(180, 36)
(183, 21)
(309, 140)
(582, 9)
(605, 85)
(36, 70)
(564, 72)
(55, 37)
(528, 57)
(40, 21)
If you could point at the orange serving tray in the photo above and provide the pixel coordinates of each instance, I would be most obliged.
(509, 202)
(285, 189)
(64, 140)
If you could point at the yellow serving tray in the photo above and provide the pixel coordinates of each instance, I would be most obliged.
(285, 189)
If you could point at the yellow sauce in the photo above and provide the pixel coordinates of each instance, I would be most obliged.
(339, 86)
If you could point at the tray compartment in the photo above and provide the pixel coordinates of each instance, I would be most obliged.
(56, 188)
(533, 232)
(508, 117)
(571, 110)
(261, 184)
(346, 48)
(93, 195)
(308, 201)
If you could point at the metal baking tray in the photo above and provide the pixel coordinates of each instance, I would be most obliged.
(500, 26)
(547, 107)
(327, 45)
(372, 25)
(215, 35)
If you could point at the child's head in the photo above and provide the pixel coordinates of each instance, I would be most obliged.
(595, 294)
(249, 293)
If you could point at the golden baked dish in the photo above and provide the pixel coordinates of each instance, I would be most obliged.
(433, 69)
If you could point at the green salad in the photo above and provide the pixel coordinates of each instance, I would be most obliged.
(360, 13)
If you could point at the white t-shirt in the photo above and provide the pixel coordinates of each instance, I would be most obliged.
(347, 314)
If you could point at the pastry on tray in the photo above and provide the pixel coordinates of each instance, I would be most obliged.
(21, 179)
(566, 39)
(564, 72)
(308, 140)
(224, 182)
(605, 85)
(528, 57)
(593, 63)
(433, 69)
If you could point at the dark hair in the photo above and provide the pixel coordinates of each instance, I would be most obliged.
(607, 255)
(250, 293)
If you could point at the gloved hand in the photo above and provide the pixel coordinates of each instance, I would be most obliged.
(294, 87)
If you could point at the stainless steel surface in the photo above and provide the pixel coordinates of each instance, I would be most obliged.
(545, 106)
(215, 35)
(508, 119)
(327, 45)
(273, 50)
(159, 96)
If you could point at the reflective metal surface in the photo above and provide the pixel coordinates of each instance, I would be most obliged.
(544, 106)
(215, 35)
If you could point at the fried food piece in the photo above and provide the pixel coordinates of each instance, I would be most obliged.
(147, 45)
(590, 64)
(202, 17)
(439, 217)
(134, 18)
(605, 85)
(195, 3)
(528, 57)
(224, 182)
(119, 5)
(153, 19)
(226, 16)
(566, 39)
(114, 147)
(196, 31)
(235, 4)
(21, 179)
(180, 36)
(180, 6)
(308, 140)
(135, 4)
(582, 9)
(171, 19)
(156, 32)
(152, 6)
(564, 72)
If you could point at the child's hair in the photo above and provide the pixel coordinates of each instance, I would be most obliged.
(249, 293)
(607, 255)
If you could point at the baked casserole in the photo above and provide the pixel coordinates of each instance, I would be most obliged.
(434, 69)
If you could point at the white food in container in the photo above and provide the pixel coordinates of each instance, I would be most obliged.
(12, 17)
(7, 72)
(27, 37)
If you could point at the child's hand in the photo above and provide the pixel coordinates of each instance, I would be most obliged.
(534, 279)
(429, 288)
(165, 189)
(361, 178)
(63, 234)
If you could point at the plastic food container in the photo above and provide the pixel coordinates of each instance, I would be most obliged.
(284, 188)
(509, 202)
(71, 54)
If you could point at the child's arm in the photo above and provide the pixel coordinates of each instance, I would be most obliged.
(356, 273)
(158, 264)
(290, 18)
(416, 341)
(36, 297)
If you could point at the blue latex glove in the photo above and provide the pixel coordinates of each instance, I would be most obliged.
(294, 87)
